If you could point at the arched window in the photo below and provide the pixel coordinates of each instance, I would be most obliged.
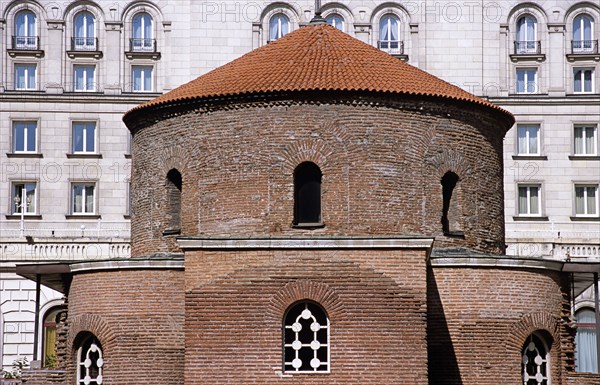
(451, 213)
(90, 361)
(526, 35)
(534, 362)
(143, 36)
(279, 25)
(335, 21)
(174, 184)
(583, 32)
(305, 338)
(307, 194)
(84, 34)
(389, 32)
(25, 31)
(51, 319)
(585, 341)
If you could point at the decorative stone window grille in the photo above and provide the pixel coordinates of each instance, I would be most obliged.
(306, 339)
(90, 362)
(535, 362)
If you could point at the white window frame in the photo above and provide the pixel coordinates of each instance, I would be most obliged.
(28, 84)
(86, 86)
(583, 151)
(527, 81)
(336, 21)
(140, 40)
(28, 125)
(31, 205)
(582, 81)
(525, 128)
(84, 194)
(29, 40)
(142, 70)
(279, 18)
(585, 189)
(85, 133)
(523, 35)
(581, 39)
(529, 187)
(385, 23)
(85, 41)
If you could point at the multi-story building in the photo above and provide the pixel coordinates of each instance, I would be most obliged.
(69, 70)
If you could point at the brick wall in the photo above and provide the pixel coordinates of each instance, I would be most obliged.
(382, 163)
(137, 315)
(236, 300)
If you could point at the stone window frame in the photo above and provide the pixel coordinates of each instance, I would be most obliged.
(95, 76)
(13, 150)
(586, 214)
(342, 11)
(96, 152)
(145, 65)
(582, 70)
(36, 81)
(72, 214)
(541, 193)
(81, 12)
(268, 13)
(518, 150)
(596, 145)
(292, 326)
(527, 81)
(13, 212)
(404, 30)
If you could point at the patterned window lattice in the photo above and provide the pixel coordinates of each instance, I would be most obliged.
(306, 339)
(90, 363)
(535, 362)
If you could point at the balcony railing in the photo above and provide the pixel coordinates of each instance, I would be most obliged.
(584, 46)
(528, 47)
(26, 42)
(142, 45)
(84, 44)
(393, 47)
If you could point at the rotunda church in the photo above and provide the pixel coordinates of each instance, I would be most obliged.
(318, 212)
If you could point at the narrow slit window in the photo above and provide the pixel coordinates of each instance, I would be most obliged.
(307, 194)
(173, 184)
(451, 212)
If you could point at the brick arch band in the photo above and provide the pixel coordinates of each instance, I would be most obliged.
(94, 324)
(305, 290)
(174, 158)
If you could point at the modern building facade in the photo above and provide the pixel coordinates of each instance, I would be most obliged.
(70, 70)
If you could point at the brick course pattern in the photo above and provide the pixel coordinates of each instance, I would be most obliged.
(382, 161)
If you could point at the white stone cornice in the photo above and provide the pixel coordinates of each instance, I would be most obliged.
(128, 265)
(489, 261)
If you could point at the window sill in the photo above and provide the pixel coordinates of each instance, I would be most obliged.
(530, 219)
(171, 232)
(584, 157)
(585, 219)
(18, 216)
(24, 155)
(539, 57)
(85, 54)
(84, 155)
(530, 157)
(83, 216)
(309, 225)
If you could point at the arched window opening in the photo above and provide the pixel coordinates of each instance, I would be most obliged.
(143, 35)
(336, 21)
(306, 338)
(451, 212)
(586, 354)
(279, 25)
(583, 32)
(534, 362)
(173, 184)
(51, 319)
(389, 33)
(25, 31)
(526, 35)
(90, 361)
(85, 31)
(307, 194)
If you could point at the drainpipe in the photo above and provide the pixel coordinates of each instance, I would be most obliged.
(36, 330)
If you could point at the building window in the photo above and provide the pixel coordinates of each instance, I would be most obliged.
(526, 35)
(51, 319)
(24, 137)
(307, 194)
(529, 200)
(84, 137)
(528, 139)
(174, 185)
(534, 362)
(143, 36)
(583, 80)
(583, 30)
(586, 200)
(25, 31)
(25, 77)
(586, 140)
(24, 198)
(306, 338)
(84, 78)
(526, 80)
(90, 362)
(389, 32)
(85, 32)
(451, 213)
(142, 78)
(83, 198)
(279, 25)
(585, 341)
(336, 21)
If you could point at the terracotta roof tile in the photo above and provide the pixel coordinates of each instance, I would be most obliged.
(316, 57)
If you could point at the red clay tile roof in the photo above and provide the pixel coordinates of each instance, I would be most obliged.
(316, 57)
